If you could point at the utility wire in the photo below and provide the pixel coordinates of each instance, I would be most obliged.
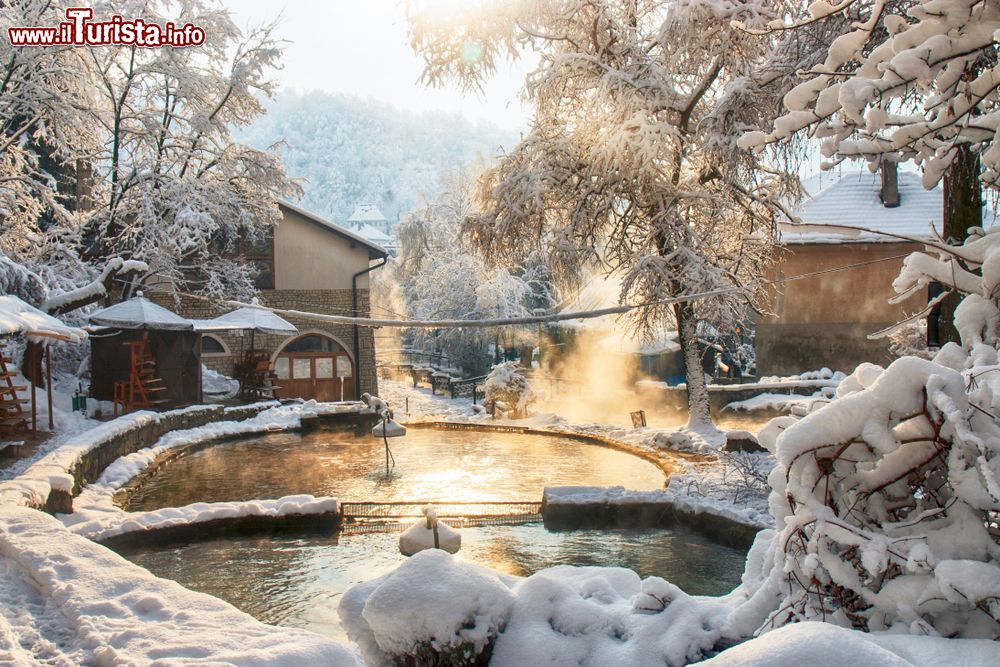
(530, 319)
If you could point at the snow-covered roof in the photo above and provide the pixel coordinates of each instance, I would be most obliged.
(248, 319)
(376, 235)
(367, 212)
(852, 199)
(375, 251)
(140, 313)
(16, 316)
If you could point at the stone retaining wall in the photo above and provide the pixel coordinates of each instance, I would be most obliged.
(292, 524)
(93, 462)
(647, 515)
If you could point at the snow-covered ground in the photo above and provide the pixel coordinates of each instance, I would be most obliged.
(65, 600)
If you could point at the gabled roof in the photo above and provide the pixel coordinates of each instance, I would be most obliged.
(852, 199)
(367, 212)
(375, 251)
(375, 235)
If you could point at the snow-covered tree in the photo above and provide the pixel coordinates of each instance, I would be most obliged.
(906, 80)
(631, 162)
(508, 389)
(442, 277)
(912, 80)
(173, 184)
(887, 498)
(44, 131)
(123, 156)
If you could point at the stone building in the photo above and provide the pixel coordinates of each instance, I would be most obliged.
(823, 320)
(308, 264)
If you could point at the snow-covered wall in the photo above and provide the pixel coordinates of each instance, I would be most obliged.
(50, 483)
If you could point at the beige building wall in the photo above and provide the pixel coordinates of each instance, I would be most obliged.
(825, 320)
(309, 257)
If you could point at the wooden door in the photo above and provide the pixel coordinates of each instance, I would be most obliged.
(310, 367)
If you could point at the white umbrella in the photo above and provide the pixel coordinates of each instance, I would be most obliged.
(254, 319)
(140, 313)
(249, 319)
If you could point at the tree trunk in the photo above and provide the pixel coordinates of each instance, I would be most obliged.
(698, 406)
(963, 208)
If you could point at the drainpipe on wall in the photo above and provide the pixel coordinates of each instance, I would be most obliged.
(354, 313)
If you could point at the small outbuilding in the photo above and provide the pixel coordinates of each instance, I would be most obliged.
(146, 351)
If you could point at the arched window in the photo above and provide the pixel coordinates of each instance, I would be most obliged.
(212, 346)
(312, 343)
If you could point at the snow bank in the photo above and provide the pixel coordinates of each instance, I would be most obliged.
(432, 604)
(121, 614)
(825, 645)
(102, 523)
(217, 386)
(781, 402)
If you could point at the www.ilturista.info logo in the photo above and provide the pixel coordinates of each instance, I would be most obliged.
(79, 30)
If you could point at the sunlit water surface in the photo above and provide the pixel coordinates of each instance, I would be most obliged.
(430, 465)
(298, 582)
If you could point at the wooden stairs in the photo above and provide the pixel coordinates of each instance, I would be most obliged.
(142, 386)
(13, 417)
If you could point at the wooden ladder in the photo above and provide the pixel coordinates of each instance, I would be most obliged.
(142, 385)
(13, 417)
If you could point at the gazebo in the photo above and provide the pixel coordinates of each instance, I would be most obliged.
(18, 317)
(145, 356)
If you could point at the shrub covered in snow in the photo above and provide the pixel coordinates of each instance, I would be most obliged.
(433, 610)
(509, 389)
(888, 496)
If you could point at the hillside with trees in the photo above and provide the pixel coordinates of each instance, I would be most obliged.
(346, 149)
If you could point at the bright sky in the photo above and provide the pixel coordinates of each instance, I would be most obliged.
(362, 47)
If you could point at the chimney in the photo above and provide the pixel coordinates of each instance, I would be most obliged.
(890, 184)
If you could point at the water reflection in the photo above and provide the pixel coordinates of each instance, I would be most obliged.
(430, 465)
(297, 582)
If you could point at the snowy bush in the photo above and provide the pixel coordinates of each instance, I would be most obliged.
(744, 474)
(911, 340)
(508, 388)
(888, 496)
(432, 610)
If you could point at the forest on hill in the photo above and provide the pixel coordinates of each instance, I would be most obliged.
(346, 149)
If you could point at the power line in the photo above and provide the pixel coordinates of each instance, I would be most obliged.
(405, 323)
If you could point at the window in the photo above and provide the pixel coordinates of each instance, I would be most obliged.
(301, 369)
(312, 343)
(324, 368)
(212, 346)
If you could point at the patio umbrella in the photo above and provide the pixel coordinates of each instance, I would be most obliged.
(140, 313)
(256, 319)
(250, 319)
